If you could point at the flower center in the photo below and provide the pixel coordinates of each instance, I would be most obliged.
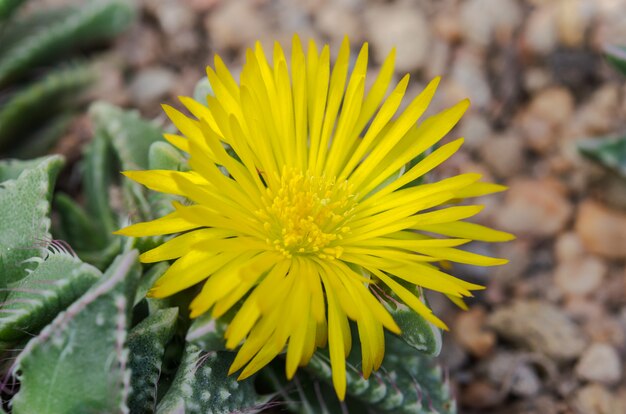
(307, 214)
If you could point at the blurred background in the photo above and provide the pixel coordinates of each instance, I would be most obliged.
(548, 335)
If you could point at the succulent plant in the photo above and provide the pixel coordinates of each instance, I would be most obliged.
(38, 92)
(89, 340)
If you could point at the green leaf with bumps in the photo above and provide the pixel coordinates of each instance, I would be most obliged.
(40, 101)
(147, 281)
(33, 301)
(609, 152)
(97, 170)
(24, 210)
(207, 332)
(79, 363)
(146, 343)
(34, 21)
(77, 227)
(305, 394)
(616, 55)
(417, 332)
(130, 135)
(131, 138)
(203, 386)
(102, 258)
(10, 169)
(92, 22)
(407, 382)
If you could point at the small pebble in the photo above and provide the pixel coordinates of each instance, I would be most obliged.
(541, 327)
(471, 334)
(536, 208)
(600, 363)
(601, 229)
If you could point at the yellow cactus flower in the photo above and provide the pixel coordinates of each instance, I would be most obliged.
(310, 207)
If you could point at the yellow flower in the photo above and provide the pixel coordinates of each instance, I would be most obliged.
(309, 207)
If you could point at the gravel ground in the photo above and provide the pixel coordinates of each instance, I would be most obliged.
(549, 333)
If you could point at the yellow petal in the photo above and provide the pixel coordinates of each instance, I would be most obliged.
(190, 269)
(480, 189)
(165, 181)
(171, 223)
(467, 230)
(397, 130)
(180, 245)
(410, 299)
(377, 91)
(336, 344)
(178, 141)
(380, 121)
(460, 256)
(417, 140)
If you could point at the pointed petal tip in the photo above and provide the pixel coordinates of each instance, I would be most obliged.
(144, 258)
(444, 327)
(290, 372)
(231, 371)
(434, 83)
(341, 393)
(194, 314)
(246, 373)
(217, 58)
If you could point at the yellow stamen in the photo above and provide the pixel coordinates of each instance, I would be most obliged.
(306, 214)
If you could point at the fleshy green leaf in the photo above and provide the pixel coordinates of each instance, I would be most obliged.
(208, 333)
(130, 135)
(93, 242)
(41, 100)
(148, 279)
(203, 386)
(34, 300)
(92, 22)
(146, 343)
(24, 210)
(78, 363)
(407, 382)
(417, 332)
(131, 138)
(97, 171)
(19, 29)
(307, 395)
(10, 169)
(609, 152)
(76, 226)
